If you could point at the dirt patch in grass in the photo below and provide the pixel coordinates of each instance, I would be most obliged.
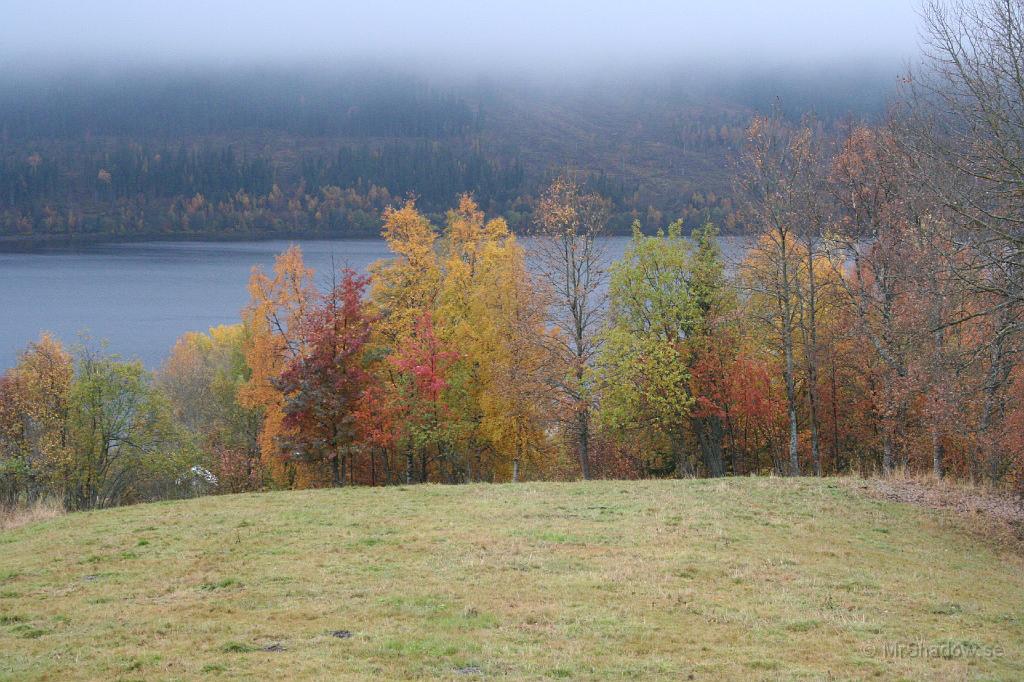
(992, 513)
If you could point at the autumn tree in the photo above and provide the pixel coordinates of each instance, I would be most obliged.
(323, 382)
(963, 115)
(422, 361)
(89, 430)
(122, 440)
(490, 309)
(474, 286)
(774, 167)
(961, 135)
(734, 383)
(379, 427)
(278, 305)
(202, 378)
(644, 362)
(509, 340)
(406, 286)
(33, 421)
(715, 301)
(876, 236)
(403, 289)
(812, 218)
(570, 257)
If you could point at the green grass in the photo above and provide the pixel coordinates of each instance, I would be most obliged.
(730, 579)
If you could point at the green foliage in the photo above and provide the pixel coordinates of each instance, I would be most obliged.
(662, 294)
(707, 281)
(650, 288)
(643, 366)
(124, 445)
(33, 410)
(92, 431)
(202, 378)
(646, 383)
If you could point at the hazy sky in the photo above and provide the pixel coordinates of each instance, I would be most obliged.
(470, 33)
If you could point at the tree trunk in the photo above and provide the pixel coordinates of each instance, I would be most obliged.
(794, 453)
(836, 464)
(813, 417)
(385, 463)
(887, 453)
(994, 379)
(730, 437)
(786, 295)
(812, 360)
(709, 435)
(938, 451)
(891, 445)
(583, 438)
(684, 469)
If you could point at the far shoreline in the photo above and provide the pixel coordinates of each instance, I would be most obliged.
(61, 243)
(73, 243)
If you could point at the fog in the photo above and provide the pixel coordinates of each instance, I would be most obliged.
(547, 37)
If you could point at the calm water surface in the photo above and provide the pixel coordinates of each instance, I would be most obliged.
(141, 297)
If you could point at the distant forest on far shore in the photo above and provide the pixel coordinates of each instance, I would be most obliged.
(254, 153)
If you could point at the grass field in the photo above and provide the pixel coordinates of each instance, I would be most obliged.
(729, 579)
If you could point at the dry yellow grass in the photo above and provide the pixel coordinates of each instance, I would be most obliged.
(22, 516)
(725, 579)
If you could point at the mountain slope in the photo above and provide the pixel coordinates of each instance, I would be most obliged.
(730, 579)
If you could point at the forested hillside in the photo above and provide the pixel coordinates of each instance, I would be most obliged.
(874, 324)
(251, 153)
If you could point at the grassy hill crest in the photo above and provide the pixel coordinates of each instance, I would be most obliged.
(699, 579)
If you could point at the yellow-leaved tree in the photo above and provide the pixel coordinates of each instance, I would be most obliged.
(406, 286)
(278, 303)
(475, 287)
(403, 289)
(490, 309)
(202, 378)
(34, 448)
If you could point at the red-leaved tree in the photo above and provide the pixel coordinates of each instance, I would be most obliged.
(423, 361)
(324, 382)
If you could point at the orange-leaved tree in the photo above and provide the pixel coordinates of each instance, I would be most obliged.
(277, 307)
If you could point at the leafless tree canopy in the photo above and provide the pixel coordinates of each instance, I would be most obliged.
(964, 128)
(571, 259)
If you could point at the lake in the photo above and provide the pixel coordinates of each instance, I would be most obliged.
(141, 297)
